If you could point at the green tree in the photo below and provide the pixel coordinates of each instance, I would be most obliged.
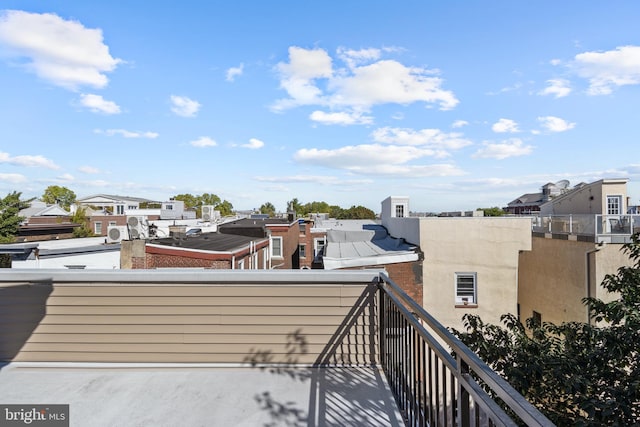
(494, 211)
(576, 373)
(225, 207)
(60, 195)
(315, 207)
(268, 208)
(80, 217)
(356, 212)
(10, 221)
(190, 201)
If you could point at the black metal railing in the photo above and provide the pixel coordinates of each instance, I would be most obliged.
(438, 386)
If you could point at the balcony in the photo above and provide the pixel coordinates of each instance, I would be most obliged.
(199, 347)
(595, 228)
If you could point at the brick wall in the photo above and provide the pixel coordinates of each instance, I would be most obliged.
(407, 275)
(172, 261)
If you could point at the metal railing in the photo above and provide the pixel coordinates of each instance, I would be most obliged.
(585, 224)
(434, 386)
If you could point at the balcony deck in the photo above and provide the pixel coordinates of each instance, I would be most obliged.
(200, 395)
(208, 347)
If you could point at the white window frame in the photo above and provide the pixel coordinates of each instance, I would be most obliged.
(97, 227)
(317, 247)
(273, 252)
(399, 211)
(462, 294)
(302, 248)
(614, 204)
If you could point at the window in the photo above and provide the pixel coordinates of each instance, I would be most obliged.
(318, 245)
(97, 227)
(303, 227)
(614, 205)
(399, 211)
(276, 247)
(466, 289)
(112, 223)
(119, 209)
(302, 250)
(169, 207)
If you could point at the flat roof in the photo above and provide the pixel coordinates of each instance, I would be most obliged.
(198, 395)
(218, 242)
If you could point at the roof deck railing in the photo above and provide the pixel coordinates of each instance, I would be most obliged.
(434, 386)
(610, 228)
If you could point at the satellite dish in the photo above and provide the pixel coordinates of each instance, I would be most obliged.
(562, 184)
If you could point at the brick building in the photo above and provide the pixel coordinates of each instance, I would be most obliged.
(208, 250)
(283, 234)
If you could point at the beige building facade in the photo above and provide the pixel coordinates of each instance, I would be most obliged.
(557, 274)
(470, 263)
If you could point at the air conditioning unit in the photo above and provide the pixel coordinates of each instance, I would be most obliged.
(117, 233)
(137, 227)
(208, 213)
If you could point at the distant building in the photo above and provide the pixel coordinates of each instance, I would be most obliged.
(576, 242)
(470, 263)
(207, 250)
(283, 234)
(530, 203)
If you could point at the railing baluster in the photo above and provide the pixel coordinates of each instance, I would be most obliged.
(430, 386)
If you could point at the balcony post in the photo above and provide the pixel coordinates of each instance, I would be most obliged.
(464, 419)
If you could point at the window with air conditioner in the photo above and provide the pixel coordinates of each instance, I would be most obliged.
(466, 289)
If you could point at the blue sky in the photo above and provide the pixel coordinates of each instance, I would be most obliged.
(457, 105)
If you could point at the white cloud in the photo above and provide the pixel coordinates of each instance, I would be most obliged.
(358, 87)
(556, 87)
(359, 157)
(98, 104)
(459, 123)
(66, 177)
(314, 179)
(609, 70)
(353, 57)
(89, 170)
(60, 51)
(510, 148)
(203, 141)
(234, 72)
(340, 118)
(253, 144)
(415, 171)
(555, 124)
(442, 142)
(184, 107)
(127, 134)
(28, 161)
(505, 126)
(13, 178)
(555, 62)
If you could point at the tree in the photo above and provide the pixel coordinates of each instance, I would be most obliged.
(190, 201)
(494, 211)
(576, 373)
(268, 209)
(80, 217)
(225, 207)
(358, 212)
(10, 221)
(60, 195)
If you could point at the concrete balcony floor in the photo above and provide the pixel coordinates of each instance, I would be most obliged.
(204, 395)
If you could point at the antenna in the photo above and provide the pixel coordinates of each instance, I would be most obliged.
(562, 184)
